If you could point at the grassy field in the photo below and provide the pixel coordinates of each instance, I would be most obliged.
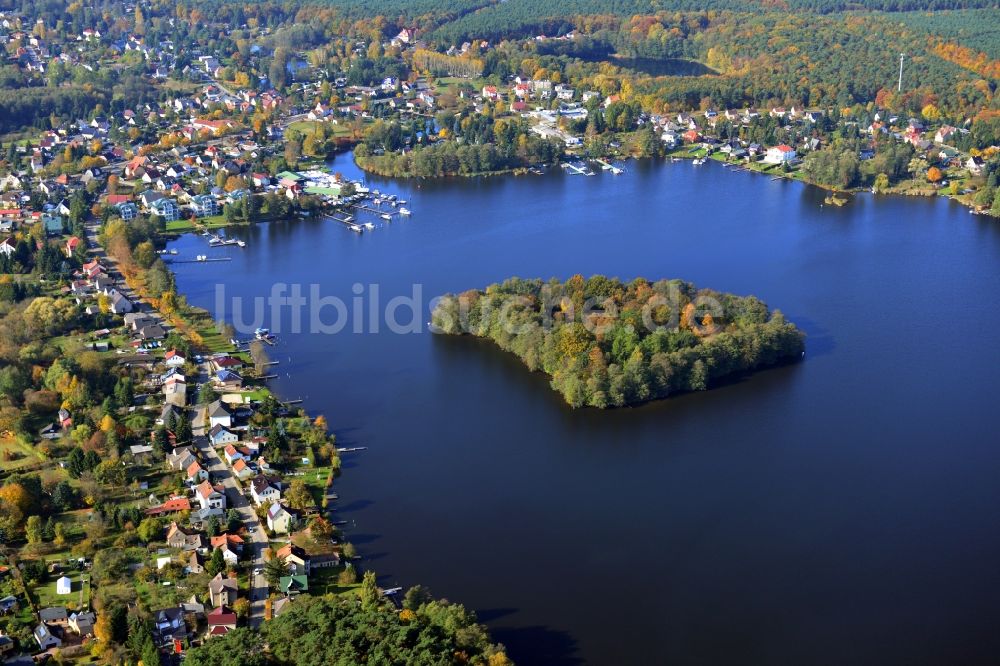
(79, 598)
(15, 454)
(187, 225)
(324, 581)
(305, 127)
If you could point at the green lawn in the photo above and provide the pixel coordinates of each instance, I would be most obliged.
(305, 127)
(187, 225)
(22, 454)
(324, 581)
(79, 598)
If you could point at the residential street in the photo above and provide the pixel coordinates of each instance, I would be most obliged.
(255, 538)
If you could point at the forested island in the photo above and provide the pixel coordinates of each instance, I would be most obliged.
(606, 343)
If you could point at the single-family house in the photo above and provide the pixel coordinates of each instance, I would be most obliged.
(221, 621)
(169, 625)
(780, 154)
(217, 413)
(222, 590)
(173, 359)
(220, 435)
(262, 490)
(228, 380)
(294, 584)
(64, 585)
(242, 470)
(179, 538)
(82, 623)
(295, 558)
(45, 638)
(279, 520)
(209, 496)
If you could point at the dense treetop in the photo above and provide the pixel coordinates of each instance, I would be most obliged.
(606, 343)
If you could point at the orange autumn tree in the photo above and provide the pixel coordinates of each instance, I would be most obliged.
(934, 174)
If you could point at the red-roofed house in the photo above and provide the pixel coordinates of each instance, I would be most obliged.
(779, 154)
(221, 621)
(172, 505)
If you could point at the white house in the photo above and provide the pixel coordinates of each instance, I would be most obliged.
(172, 359)
(779, 154)
(218, 414)
(220, 435)
(261, 490)
(209, 497)
(45, 638)
(64, 585)
(279, 520)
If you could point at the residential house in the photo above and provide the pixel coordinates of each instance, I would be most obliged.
(82, 623)
(279, 520)
(167, 209)
(217, 413)
(228, 380)
(220, 435)
(209, 496)
(169, 625)
(119, 304)
(242, 470)
(172, 505)
(45, 638)
(231, 453)
(222, 590)
(295, 558)
(221, 621)
(780, 154)
(194, 565)
(179, 538)
(292, 585)
(204, 205)
(173, 359)
(196, 473)
(263, 490)
(64, 585)
(175, 393)
(8, 246)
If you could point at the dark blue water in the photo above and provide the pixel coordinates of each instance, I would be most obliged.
(841, 510)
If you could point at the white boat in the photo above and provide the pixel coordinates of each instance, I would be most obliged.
(404, 211)
(241, 243)
(369, 226)
(201, 257)
(386, 216)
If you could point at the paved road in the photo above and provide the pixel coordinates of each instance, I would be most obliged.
(235, 499)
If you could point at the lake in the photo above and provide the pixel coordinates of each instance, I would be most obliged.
(844, 509)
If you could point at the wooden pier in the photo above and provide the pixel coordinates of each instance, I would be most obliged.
(197, 261)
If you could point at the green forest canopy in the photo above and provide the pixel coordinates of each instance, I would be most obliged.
(606, 343)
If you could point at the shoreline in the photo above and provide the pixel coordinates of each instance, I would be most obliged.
(768, 170)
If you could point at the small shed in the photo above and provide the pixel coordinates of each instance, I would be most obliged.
(64, 585)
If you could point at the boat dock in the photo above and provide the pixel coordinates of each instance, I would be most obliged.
(351, 449)
(369, 209)
(196, 261)
(607, 166)
(347, 222)
(577, 170)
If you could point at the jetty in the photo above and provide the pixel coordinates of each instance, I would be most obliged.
(607, 166)
(577, 170)
(350, 449)
(347, 222)
(199, 260)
